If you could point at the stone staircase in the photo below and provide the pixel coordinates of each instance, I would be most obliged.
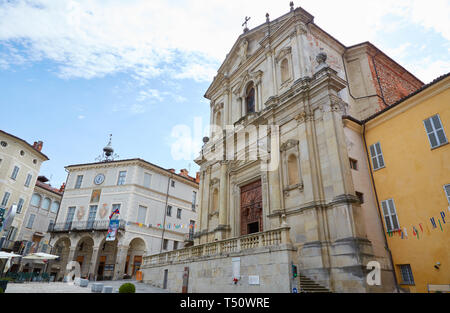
(307, 285)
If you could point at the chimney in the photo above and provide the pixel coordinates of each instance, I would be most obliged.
(38, 145)
(184, 172)
(197, 177)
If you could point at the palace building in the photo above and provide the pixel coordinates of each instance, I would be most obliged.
(408, 152)
(20, 163)
(283, 187)
(155, 209)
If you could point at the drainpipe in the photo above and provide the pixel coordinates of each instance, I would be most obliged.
(378, 205)
(165, 213)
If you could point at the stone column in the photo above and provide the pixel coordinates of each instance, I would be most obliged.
(274, 176)
(121, 259)
(93, 263)
(223, 198)
(205, 204)
(303, 50)
(271, 67)
(226, 108)
(200, 205)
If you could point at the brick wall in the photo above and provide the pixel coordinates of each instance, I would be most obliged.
(396, 83)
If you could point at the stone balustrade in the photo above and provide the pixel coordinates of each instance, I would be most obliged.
(268, 238)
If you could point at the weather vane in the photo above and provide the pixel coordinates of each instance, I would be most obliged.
(245, 24)
(108, 153)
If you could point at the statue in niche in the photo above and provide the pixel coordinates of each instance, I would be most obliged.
(243, 49)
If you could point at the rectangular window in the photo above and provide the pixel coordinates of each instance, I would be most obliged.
(69, 217)
(169, 210)
(173, 183)
(191, 229)
(175, 245)
(435, 131)
(31, 221)
(122, 176)
(28, 180)
(142, 214)
(353, 164)
(147, 180)
(5, 199)
(178, 213)
(360, 196)
(50, 225)
(376, 156)
(79, 181)
(15, 172)
(20, 205)
(11, 233)
(407, 275)
(91, 217)
(165, 244)
(44, 248)
(390, 215)
(194, 199)
(447, 192)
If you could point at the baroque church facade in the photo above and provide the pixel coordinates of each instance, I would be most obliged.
(283, 183)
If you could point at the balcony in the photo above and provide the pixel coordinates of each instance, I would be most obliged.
(96, 225)
(237, 245)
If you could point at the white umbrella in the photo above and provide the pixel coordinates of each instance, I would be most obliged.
(7, 255)
(40, 256)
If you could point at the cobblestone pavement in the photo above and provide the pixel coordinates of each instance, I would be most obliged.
(58, 287)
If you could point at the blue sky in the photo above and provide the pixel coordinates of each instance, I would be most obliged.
(72, 72)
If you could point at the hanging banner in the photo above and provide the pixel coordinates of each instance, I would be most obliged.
(112, 230)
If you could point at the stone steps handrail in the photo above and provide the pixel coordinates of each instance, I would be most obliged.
(263, 239)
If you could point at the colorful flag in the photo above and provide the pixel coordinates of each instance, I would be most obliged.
(433, 222)
(443, 216)
(112, 230)
(440, 224)
(421, 227)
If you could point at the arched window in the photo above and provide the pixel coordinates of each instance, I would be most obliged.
(46, 203)
(293, 170)
(215, 204)
(36, 200)
(250, 98)
(284, 70)
(55, 206)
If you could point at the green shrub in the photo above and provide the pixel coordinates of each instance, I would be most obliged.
(1, 290)
(127, 288)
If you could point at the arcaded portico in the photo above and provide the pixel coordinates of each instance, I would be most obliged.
(98, 259)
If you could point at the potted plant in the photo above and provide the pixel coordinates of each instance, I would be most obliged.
(127, 288)
(4, 283)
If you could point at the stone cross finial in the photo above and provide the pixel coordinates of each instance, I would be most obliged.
(291, 4)
(245, 24)
(267, 17)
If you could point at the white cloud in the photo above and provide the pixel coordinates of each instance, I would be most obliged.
(149, 94)
(184, 39)
(81, 117)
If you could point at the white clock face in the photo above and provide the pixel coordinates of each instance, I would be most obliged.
(99, 179)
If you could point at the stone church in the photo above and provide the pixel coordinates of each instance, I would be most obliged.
(284, 184)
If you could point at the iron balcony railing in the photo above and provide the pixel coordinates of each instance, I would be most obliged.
(100, 225)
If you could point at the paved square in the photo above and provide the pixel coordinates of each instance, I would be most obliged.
(59, 287)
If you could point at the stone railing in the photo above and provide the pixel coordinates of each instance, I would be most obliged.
(268, 238)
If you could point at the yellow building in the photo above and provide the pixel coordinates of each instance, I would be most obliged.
(408, 149)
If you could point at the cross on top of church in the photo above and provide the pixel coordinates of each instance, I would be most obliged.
(245, 24)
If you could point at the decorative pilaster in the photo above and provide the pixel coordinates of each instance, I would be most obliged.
(223, 196)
